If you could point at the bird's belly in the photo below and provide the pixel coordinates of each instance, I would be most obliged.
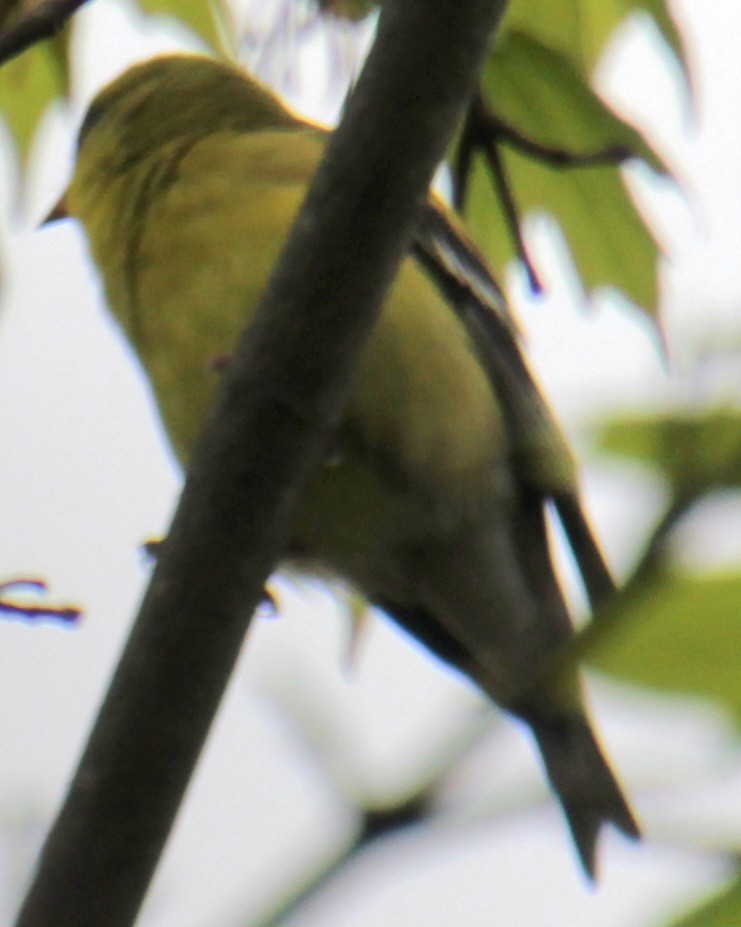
(352, 524)
(363, 521)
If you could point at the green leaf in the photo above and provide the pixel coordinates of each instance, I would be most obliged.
(538, 92)
(538, 81)
(201, 17)
(724, 910)
(697, 452)
(677, 634)
(578, 30)
(28, 84)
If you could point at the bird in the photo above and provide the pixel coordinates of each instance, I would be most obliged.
(433, 500)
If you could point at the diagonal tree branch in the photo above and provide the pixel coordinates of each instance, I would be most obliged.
(280, 399)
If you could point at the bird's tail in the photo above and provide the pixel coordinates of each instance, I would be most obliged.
(584, 783)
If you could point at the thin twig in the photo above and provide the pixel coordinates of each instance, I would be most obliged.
(654, 550)
(509, 207)
(463, 160)
(648, 566)
(478, 136)
(484, 132)
(374, 824)
(490, 129)
(65, 613)
(558, 157)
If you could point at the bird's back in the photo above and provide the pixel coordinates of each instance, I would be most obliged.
(422, 407)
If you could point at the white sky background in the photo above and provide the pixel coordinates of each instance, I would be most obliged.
(85, 478)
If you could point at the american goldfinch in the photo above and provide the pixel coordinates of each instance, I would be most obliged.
(432, 501)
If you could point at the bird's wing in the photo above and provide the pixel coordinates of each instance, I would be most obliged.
(542, 455)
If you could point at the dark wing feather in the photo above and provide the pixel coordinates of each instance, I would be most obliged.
(461, 274)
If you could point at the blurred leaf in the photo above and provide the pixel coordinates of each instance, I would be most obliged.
(696, 452)
(202, 17)
(28, 84)
(538, 81)
(579, 29)
(724, 910)
(538, 92)
(677, 634)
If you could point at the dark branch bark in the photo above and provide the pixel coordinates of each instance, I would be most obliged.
(41, 22)
(280, 400)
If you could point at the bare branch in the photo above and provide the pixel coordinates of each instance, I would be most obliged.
(67, 614)
(506, 197)
(614, 155)
(374, 824)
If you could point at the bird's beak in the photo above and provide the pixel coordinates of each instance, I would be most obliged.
(58, 212)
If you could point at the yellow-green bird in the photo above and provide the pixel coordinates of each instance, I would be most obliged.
(432, 500)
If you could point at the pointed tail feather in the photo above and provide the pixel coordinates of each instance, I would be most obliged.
(583, 782)
(578, 772)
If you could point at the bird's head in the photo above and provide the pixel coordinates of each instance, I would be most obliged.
(169, 99)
